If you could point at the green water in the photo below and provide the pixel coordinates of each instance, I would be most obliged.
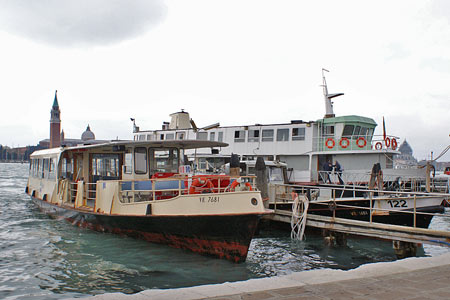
(43, 258)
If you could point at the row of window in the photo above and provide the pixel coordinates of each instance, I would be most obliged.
(43, 168)
(356, 131)
(254, 135)
(157, 160)
(268, 135)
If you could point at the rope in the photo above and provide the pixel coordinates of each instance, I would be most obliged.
(298, 219)
(442, 153)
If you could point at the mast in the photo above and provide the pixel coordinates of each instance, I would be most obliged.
(329, 113)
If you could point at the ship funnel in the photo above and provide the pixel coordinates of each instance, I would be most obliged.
(180, 120)
(329, 113)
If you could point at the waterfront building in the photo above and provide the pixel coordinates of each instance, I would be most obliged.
(405, 159)
(57, 136)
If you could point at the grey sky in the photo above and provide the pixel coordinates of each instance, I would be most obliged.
(230, 61)
(80, 22)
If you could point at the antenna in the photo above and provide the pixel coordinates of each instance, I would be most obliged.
(329, 113)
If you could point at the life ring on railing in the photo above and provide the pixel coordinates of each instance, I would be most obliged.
(358, 142)
(378, 146)
(394, 144)
(201, 185)
(327, 143)
(233, 185)
(387, 142)
(344, 142)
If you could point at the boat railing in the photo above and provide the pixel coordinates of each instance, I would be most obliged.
(73, 187)
(334, 198)
(356, 142)
(167, 188)
(82, 195)
(360, 179)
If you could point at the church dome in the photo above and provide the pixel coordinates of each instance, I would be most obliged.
(88, 135)
(405, 148)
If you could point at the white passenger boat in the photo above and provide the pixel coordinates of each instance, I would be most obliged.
(305, 146)
(142, 189)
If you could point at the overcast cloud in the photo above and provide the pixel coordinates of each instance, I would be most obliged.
(237, 62)
(80, 22)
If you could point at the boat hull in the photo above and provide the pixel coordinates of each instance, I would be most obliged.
(222, 236)
(398, 217)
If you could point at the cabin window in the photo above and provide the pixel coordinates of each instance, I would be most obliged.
(105, 166)
(163, 160)
(142, 137)
(51, 169)
(220, 136)
(170, 136)
(328, 130)
(45, 168)
(267, 135)
(253, 135)
(140, 160)
(128, 163)
(202, 164)
(283, 135)
(369, 134)
(363, 131)
(161, 137)
(203, 136)
(149, 137)
(298, 134)
(34, 168)
(275, 175)
(66, 168)
(357, 131)
(348, 131)
(239, 136)
(212, 136)
(63, 167)
(180, 135)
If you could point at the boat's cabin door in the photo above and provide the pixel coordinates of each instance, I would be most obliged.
(77, 166)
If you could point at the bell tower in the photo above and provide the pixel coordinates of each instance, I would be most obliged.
(55, 124)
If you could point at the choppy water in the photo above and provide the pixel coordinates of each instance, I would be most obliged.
(43, 258)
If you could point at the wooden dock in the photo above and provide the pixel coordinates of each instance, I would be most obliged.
(369, 229)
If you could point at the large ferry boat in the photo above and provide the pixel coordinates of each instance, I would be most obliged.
(305, 146)
(143, 189)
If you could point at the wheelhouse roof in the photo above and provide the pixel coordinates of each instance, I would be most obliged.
(183, 144)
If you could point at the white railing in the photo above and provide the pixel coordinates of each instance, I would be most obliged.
(333, 199)
(360, 179)
(167, 188)
(352, 143)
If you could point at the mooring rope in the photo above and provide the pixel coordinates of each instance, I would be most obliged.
(298, 218)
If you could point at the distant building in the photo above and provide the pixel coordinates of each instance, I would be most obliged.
(55, 124)
(57, 136)
(405, 159)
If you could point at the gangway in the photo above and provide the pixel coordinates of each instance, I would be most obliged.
(332, 197)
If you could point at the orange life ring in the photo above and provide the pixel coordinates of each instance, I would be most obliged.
(332, 143)
(387, 142)
(394, 144)
(234, 184)
(378, 146)
(342, 144)
(201, 185)
(364, 142)
(247, 184)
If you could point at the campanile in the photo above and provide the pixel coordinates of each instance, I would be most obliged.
(55, 124)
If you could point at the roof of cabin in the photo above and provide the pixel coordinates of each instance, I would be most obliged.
(184, 144)
(349, 119)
